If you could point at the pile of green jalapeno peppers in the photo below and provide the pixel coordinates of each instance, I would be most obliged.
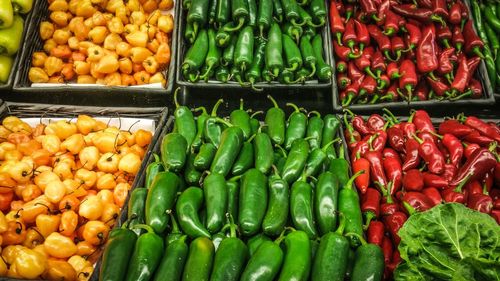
(242, 198)
(249, 41)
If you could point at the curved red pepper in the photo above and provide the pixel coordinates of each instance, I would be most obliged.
(453, 127)
(409, 129)
(413, 180)
(362, 34)
(394, 172)
(422, 15)
(344, 53)
(368, 86)
(445, 65)
(450, 195)
(444, 35)
(393, 224)
(432, 180)
(393, 70)
(362, 182)
(438, 86)
(462, 76)
(476, 88)
(379, 141)
(474, 187)
(488, 182)
(349, 37)
(414, 35)
(383, 82)
(473, 43)
(481, 126)
(455, 15)
(470, 148)
(360, 125)
(336, 24)
(422, 91)
(433, 194)
(449, 172)
(477, 138)
(396, 139)
(391, 25)
(440, 8)
(479, 163)
(391, 153)
(375, 122)
(480, 202)
(370, 204)
(424, 4)
(375, 233)
(418, 201)
(378, 63)
(409, 79)
(352, 91)
(387, 249)
(364, 61)
(370, 9)
(423, 122)
(391, 94)
(412, 156)
(427, 60)
(343, 81)
(383, 42)
(458, 39)
(376, 167)
(398, 45)
(354, 73)
(455, 148)
(431, 155)
(383, 8)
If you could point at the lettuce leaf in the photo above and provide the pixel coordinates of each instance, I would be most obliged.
(449, 242)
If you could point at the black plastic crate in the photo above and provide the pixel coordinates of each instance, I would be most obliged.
(27, 22)
(234, 87)
(91, 95)
(159, 114)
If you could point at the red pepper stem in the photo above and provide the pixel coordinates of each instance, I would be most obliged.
(361, 239)
(409, 208)
(369, 216)
(393, 118)
(463, 183)
(432, 76)
(349, 184)
(466, 94)
(341, 227)
(436, 135)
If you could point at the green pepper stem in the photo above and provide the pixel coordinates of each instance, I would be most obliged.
(350, 182)
(216, 107)
(293, 67)
(361, 239)
(369, 216)
(241, 104)
(195, 29)
(202, 109)
(315, 113)
(256, 113)
(241, 22)
(176, 102)
(235, 178)
(393, 118)
(463, 183)
(175, 225)
(232, 225)
(275, 104)
(320, 24)
(341, 227)
(281, 149)
(148, 228)
(409, 208)
(220, 120)
(294, 22)
(294, 106)
(326, 146)
(313, 70)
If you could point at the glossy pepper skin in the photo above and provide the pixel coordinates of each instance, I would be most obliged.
(263, 151)
(231, 142)
(369, 262)
(146, 257)
(244, 161)
(260, 266)
(212, 130)
(480, 162)
(215, 194)
(275, 120)
(297, 125)
(200, 259)
(10, 38)
(296, 161)
(173, 152)
(136, 208)
(173, 260)
(115, 258)
(301, 207)
(393, 224)
(349, 205)
(187, 207)
(278, 208)
(152, 170)
(326, 202)
(253, 201)
(297, 261)
(160, 199)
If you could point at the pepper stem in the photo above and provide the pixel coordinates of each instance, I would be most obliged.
(256, 113)
(409, 208)
(294, 23)
(216, 107)
(355, 235)
(157, 158)
(220, 120)
(176, 102)
(341, 227)
(175, 225)
(202, 109)
(320, 24)
(348, 100)
(313, 70)
(241, 22)
(232, 225)
(370, 72)
(369, 216)
(273, 101)
(148, 228)
(315, 113)
(294, 106)
(478, 52)
(463, 183)
(350, 129)
(281, 149)
(350, 182)
(393, 118)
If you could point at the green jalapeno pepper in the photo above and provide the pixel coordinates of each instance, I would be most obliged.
(275, 121)
(255, 241)
(218, 237)
(330, 131)
(323, 70)
(198, 14)
(274, 50)
(186, 4)
(349, 206)
(222, 74)
(116, 255)
(228, 54)
(315, 130)
(199, 261)
(195, 56)
(213, 55)
(173, 261)
(146, 256)
(295, 32)
(264, 264)
(296, 161)
(10, 37)
(326, 197)
(253, 201)
(252, 13)
(318, 11)
(245, 159)
(301, 207)
(265, 15)
(212, 11)
(237, 75)
(191, 175)
(230, 258)
(369, 261)
(316, 160)
(152, 170)
(307, 52)
(175, 233)
(173, 152)
(331, 258)
(296, 129)
(340, 167)
(297, 263)
(205, 157)
(243, 51)
(160, 199)
(239, 13)
(307, 18)
(310, 32)
(277, 209)
(240, 118)
(291, 11)
(212, 130)
(292, 53)
(254, 73)
(184, 121)
(215, 193)
(136, 208)
(188, 205)
(223, 37)
(230, 145)
(189, 34)
(6, 14)
(278, 11)
(287, 77)
(254, 122)
(263, 150)
(233, 194)
(223, 12)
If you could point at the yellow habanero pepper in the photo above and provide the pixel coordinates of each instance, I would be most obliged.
(95, 232)
(29, 263)
(89, 157)
(59, 270)
(69, 223)
(107, 64)
(120, 193)
(74, 143)
(33, 238)
(91, 208)
(51, 143)
(46, 30)
(55, 191)
(106, 181)
(37, 75)
(86, 177)
(130, 163)
(108, 162)
(47, 224)
(59, 246)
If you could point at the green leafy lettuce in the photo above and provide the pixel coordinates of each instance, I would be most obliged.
(449, 242)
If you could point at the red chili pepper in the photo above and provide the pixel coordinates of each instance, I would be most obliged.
(370, 9)
(414, 35)
(470, 148)
(431, 155)
(496, 174)
(336, 24)
(349, 11)
(360, 125)
(480, 202)
(394, 172)
(375, 232)
(344, 53)
(398, 45)
(391, 94)
(422, 15)
(462, 76)
(455, 16)
(453, 127)
(368, 86)
(376, 167)
(393, 70)
(438, 86)
(451, 195)
(474, 187)
(341, 66)
(360, 149)
(383, 8)
(496, 203)
(375, 122)
(387, 249)
(479, 163)
(391, 153)
(362, 182)
(440, 8)
(481, 126)
(454, 146)
(473, 44)
(396, 139)
(413, 180)
(393, 223)
(422, 91)
(351, 91)
(412, 156)
(432, 180)
(427, 60)
(433, 194)
(450, 171)
(488, 181)
(417, 201)
(383, 42)
(424, 4)
(349, 37)
(370, 205)
(445, 65)
(383, 82)
(343, 81)
(423, 122)
(354, 73)
(396, 260)
(409, 128)
(378, 63)
(379, 142)
(465, 12)
(444, 35)
(409, 79)
(427, 136)
(458, 39)
(476, 88)
(496, 215)
(391, 25)
(477, 138)
(362, 34)
(363, 62)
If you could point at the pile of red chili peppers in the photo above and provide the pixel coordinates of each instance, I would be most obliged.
(414, 165)
(418, 50)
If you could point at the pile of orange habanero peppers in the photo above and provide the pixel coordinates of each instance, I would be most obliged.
(114, 43)
(62, 186)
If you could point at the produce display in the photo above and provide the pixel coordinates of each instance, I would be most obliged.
(113, 43)
(390, 51)
(245, 199)
(410, 167)
(487, 19)
(11, 33)
(62, 187)
(249, 41)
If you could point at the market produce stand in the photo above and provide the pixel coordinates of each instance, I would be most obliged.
(249, 140)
